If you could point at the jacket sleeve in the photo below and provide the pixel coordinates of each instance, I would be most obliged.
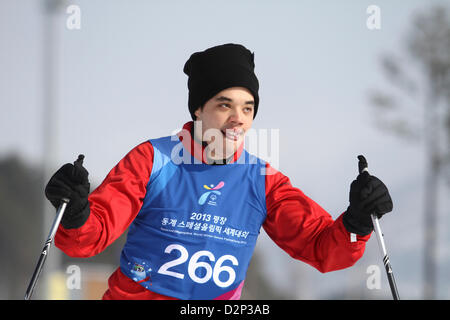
(306, 231)
(113, 205)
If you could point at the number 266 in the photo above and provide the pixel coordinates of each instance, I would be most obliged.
(194, 264)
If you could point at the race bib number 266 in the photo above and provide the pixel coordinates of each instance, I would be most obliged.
(213, 269)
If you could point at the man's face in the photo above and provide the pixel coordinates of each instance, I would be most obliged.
(225, 118)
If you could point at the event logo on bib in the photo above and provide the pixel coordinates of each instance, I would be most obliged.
(212, 194)
(140, 274)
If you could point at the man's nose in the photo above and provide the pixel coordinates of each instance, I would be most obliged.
(236, 115)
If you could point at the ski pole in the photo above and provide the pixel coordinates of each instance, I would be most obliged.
(376, 225)
(48, 242)
(45, 250)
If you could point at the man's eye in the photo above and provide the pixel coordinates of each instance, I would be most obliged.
(224, 105)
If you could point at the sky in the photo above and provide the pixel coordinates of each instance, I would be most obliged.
(119, 82)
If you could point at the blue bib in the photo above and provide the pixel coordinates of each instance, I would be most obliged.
(196, 231)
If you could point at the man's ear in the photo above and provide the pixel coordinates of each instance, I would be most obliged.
(198, 112)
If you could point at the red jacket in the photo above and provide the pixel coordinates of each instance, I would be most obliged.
(294, 222)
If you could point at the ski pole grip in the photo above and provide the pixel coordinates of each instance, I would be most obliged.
(78, 164)
(362, 164)
(80, 160)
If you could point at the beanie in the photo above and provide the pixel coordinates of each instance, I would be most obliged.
(218, 68)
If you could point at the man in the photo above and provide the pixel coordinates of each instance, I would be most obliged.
(195, 201)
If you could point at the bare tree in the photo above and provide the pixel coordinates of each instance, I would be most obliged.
(416, 107)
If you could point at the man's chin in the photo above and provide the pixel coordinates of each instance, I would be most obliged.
(231, 147)
(228, 149)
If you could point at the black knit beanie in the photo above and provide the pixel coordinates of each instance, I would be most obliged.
(218, 68)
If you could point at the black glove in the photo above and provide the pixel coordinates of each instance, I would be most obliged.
(71, 181)
(368, 195)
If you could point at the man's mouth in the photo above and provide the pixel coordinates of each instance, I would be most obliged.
(233, 134)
